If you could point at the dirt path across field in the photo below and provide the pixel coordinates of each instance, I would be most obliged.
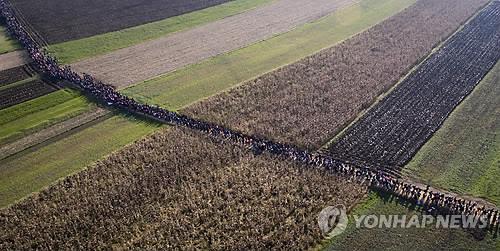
(50, 132)
(144, 61)
(13, 59)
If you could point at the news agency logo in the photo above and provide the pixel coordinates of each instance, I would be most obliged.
(333, 220)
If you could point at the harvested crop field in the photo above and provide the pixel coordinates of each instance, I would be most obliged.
(24, 92)
(308, 102)
(147, 60)
(182, 188)
(60, 20)
(15, 74)
(393, 131)
(43, 164)
(13, 59)
(218, 177)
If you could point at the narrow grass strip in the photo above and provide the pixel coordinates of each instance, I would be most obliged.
(35, 105)
(25, 118)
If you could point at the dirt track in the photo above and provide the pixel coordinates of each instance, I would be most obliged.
(147, 60)
(13, 59)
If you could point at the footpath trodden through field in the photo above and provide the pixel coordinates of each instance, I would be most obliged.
(137, 63)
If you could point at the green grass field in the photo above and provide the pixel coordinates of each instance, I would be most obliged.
(35, 169)
(464, 155)
(22, 119)
(72, 51)
(429, 238)
(183, 87)
(6, 43)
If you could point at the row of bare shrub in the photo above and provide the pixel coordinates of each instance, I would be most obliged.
(308, 102)
(178, 189)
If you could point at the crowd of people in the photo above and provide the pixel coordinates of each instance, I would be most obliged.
(432, 201)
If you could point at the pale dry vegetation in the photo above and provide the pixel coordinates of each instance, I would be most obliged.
(178, 189)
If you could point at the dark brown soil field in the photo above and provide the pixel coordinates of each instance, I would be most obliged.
(24, 92)
(393, 131)
(16, 74)
(178, 189)
(61, 20)
(308, 102)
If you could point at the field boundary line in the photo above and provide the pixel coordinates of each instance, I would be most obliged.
(44, 135)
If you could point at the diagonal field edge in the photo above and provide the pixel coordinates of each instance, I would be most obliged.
(375, 179)
(392, 131)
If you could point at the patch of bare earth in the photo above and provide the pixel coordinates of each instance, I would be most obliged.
(13, 59)
(178, 189)
(147, 60)
(308, 102)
